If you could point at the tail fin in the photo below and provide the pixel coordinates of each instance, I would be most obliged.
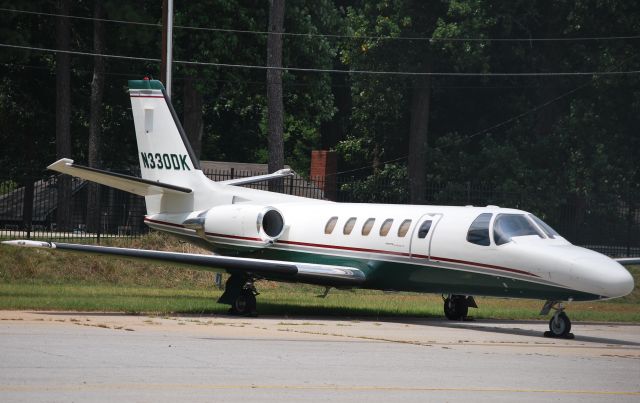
(163, 149)
(164, 152)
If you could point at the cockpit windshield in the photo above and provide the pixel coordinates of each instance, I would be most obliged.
(507, 226)
(551, 233)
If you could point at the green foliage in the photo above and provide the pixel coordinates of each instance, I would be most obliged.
(7, 186)
(387, 185)
(573, 136)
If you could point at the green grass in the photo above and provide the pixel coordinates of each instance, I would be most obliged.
(286, 300)
(46, 280)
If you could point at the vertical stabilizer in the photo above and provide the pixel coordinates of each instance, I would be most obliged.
(163, 149)
(164, 152)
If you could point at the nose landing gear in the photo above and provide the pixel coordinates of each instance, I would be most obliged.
(559, 325)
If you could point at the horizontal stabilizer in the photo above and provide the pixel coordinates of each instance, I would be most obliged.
(131, 184)
(283, 173)
(335, 276)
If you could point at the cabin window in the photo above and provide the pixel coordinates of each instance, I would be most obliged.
(366, 228)
(424, 229)
(404, 228)
(331, 224)
(386, 226)
(551, 233)
(479, 230)
(348, 226)
(507, 226)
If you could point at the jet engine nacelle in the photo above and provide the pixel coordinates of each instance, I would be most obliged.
(249, 222)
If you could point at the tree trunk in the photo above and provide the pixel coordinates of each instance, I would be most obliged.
(63, 113)
(95, 120)
(193, 114)
(27, 204)
(418, 133)
(274, 90)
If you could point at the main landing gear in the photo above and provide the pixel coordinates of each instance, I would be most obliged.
(456, 307)
(559, 325)
(240, 292)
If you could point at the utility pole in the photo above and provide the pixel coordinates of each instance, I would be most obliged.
(167, 44)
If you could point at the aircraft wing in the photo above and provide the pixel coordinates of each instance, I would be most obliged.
(336, 276)
(131, 184)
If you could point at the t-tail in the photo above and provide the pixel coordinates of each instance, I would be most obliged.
(171, 178)
(163, 149)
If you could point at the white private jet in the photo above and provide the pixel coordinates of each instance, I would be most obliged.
(453, 251)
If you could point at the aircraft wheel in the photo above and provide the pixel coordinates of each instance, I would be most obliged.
(560, 326)
(244, 304)
(456, 307)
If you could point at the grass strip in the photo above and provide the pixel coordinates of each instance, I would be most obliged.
(285, 301)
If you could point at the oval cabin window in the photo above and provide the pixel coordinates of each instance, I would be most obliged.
(366, 228)
(386, 226)
(348, 226)
(424, 229)
(404, 228)
(331, 224)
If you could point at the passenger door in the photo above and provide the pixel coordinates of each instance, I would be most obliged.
(422, 236)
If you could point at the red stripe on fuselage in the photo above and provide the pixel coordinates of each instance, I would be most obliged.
(354, 249)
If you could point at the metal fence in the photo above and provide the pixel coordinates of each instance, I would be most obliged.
(607, 223)
(119, 213)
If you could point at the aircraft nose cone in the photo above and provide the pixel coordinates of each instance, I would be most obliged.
(617, 281)
(623, 283)
(605, 277)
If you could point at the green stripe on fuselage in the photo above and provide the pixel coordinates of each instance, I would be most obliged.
(400, 276)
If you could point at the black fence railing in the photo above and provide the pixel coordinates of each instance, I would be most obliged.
(118, 213)
(607, 223)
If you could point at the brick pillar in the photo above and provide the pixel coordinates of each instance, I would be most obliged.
(324, 165)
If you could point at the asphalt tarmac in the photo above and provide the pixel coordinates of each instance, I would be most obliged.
(53, 356)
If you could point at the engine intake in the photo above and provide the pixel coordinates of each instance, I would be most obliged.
(250, 222)
(272, 223)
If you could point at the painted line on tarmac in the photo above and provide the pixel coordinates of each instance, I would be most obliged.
(338, 388)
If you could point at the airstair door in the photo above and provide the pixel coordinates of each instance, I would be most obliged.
(422, 235)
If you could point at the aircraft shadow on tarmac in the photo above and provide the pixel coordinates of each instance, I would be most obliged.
(489, 325)
(286, 311)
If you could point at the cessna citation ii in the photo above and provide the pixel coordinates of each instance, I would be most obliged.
(454, 251)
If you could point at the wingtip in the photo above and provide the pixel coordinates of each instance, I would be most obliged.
(285, 171)
(29, 244)
(60, 164)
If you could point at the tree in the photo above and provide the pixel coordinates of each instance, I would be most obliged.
(275, 107)
(95, 122)
(373, 22)
(193, 111)
(63, 112)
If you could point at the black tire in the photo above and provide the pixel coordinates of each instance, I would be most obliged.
(560, 325)
(456, 307)
(244, 304)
